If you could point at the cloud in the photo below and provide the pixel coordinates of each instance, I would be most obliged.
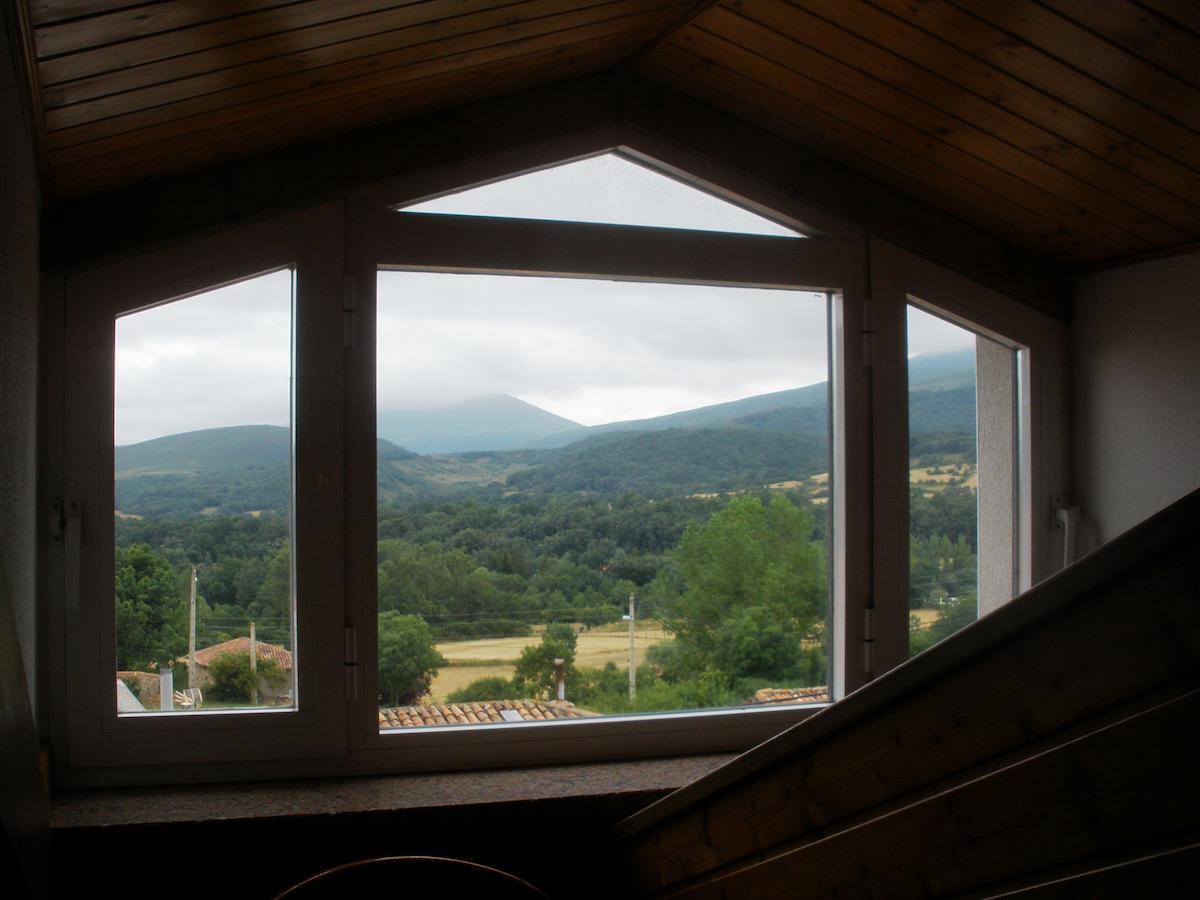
(593, 351)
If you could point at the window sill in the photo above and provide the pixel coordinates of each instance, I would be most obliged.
(78, 809)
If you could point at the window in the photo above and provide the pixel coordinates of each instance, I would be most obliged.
(964, 428)
(420, 534)
(632, 479)
(261, 292)
(204, 566)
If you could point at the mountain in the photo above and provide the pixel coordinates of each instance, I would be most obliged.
(225, 471)
(675, 461)
(811, 398)
(210, 449)
(489, 422)
(757, 440)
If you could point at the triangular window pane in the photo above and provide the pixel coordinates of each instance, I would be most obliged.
(607, 190)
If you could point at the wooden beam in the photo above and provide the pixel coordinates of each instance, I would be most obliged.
(817, 181)
(412, 158)
(616, 252)
(535, 128)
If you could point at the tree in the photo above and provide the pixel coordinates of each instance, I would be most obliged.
(493, 687)
(151, 609)
(230, 678)
(745, 589)
(534, 671)
(408, 661)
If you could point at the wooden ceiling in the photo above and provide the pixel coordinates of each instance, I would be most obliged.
(1069, 127)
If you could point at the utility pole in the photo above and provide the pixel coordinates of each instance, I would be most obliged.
(632, 620)
(253, 667)
(192, 633)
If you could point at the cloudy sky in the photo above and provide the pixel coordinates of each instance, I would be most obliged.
(592, 351)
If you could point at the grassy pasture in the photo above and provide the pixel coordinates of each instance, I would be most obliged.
(470, 660)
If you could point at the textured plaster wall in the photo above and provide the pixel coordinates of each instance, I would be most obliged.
(1135, 351)
(18, 356)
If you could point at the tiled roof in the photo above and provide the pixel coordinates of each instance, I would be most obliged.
(479, 713)
(818, 694)
(282, 657)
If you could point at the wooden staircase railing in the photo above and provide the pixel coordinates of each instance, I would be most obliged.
(1051, 748)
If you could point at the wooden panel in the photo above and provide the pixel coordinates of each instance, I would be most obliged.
(108, 23)
(1089, 52)
(1058, 82)
(824, 132)
(256, 33)
(957, 712)
(1011, 110)
(1183, 12)
(405, 92)
(1139, 31)
(792, 99)
(1132, 782)
(366, 57)
(909, 122)
(945, 109)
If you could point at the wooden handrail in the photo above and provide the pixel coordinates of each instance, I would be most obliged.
(1098, 645)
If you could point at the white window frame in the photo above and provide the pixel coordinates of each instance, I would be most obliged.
(900, 278)
(477, 244)
(87, 733)
(338, 250)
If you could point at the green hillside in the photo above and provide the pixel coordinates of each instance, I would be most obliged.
(746, 443)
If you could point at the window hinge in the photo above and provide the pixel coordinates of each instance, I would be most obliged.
(351, 638)
(349, 309)
(869, 640)
(868, 332)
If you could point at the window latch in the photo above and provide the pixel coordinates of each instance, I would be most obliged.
(351, 656)
(66, 531)
(349, 310)
(869, 640)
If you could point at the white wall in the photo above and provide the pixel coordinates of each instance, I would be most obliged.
(1135, 361)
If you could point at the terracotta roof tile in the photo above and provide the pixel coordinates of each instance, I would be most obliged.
(282, 657)
(818, 694)
(478, 713)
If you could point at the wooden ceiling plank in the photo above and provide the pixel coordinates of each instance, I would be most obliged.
(1004, 139)
(120, 25)
(818, 124)
(1153, 38)
(236, 125)
(1047, 74)
(334, 117)
(303, 69)
(43, 12)
(877, 108)
(1184, 13)
(334, 81)
(233, 42)
(1087, 52)
(1140, 164)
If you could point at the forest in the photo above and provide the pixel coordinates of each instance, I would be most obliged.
(720, 532)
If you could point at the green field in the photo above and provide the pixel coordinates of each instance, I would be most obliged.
(481, 658)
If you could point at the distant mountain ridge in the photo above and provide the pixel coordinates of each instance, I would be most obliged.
(755, 440)
(488, 422)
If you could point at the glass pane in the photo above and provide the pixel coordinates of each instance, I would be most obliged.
(574, 475)
(205, 586)
(962, 488)
(609, 190)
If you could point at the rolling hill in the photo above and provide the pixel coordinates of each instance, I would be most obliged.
(757, 440)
